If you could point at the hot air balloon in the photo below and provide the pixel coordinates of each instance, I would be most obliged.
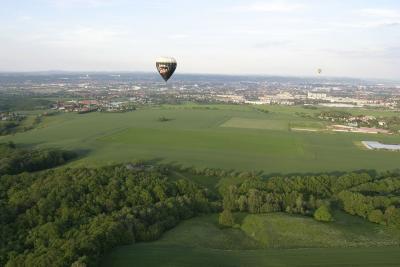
(319, 71)
(166, 66)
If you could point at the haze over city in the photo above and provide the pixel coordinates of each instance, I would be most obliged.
(344, 38)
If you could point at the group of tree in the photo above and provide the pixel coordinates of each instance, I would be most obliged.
(212, 172)
(9, 122)
(73, 216)
(382, 209)
(373, 197)
(335, 115)
(359, 193)
(14, 160)
(13, 102)
(8, 127)
(18, 123)
(393, 124)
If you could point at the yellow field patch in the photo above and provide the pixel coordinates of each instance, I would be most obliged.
(247, 123)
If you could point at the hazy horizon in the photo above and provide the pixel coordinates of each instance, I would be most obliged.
(176, 76)
(357, 39)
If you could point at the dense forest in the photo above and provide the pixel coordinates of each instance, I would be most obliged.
(73, 216)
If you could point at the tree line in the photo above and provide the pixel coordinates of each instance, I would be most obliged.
(372, 196)
(14, 160)
(12, 102)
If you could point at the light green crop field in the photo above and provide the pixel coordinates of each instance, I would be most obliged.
(217, 136)
(266, 240)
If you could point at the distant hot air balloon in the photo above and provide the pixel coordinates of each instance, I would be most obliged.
(166, 66)
(319, 71)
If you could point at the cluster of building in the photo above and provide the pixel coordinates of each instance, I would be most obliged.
(333, 101)
(109, 89)
(86, 106)
(316, 98)
(11, 116)
(360, 123)
(373, 145)
(284, 98)
(354, 120)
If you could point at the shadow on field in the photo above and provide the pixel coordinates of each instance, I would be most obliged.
(154, 161)
(29, 146)
(81, 153)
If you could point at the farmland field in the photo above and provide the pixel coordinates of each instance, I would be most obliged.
(219, 136)
(264, 124)
(179, 256)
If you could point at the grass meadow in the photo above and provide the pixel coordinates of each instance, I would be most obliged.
(266, 240)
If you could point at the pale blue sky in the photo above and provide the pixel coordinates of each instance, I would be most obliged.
(358, 38)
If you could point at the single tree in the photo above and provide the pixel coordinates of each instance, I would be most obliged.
(375, 216)
(226, 218)
(323, 214)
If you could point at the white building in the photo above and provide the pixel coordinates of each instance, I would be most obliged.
(311, 95)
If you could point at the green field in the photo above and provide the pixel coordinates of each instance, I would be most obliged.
(169, 256)
(219, 136)
(279, 230)
(266, 240)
